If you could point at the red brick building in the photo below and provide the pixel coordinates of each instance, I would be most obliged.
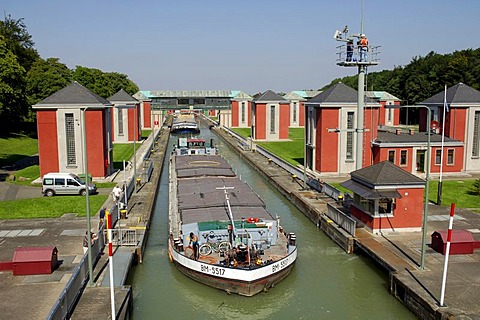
(330, 130)
(297, 100)
(462, 123)
(241, 110)
(270, 117)
(125, 118)
(60, 132)
(386, 198)
(388, 116)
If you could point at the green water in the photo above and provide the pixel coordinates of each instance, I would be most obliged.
(326, 283)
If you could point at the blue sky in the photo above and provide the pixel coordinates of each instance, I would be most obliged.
(240, 45)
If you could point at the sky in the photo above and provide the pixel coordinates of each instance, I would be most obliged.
(245, 45)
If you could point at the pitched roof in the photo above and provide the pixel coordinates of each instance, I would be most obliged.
(270, 96)
(73, 94)
(122, 96)
(381, 95)
(385, 173)
(308, 93)
(381, 180)
(141, 95)
(293, 95)
(390, 138)
(240, 95)
(338, 93)
(459, 94)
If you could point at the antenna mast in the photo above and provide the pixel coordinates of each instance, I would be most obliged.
(361, 56)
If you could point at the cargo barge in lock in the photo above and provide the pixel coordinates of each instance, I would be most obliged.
(241, 248)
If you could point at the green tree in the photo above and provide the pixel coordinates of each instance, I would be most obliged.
(13, 104)
(103, 84)
(423, 77)
(45, 78)
(476, 187)
(19, 41)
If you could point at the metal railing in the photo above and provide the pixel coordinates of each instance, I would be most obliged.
(127, 237)
(340, 218)
(64, 305)
(331, 191)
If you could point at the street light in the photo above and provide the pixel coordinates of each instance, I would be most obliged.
(87, 200)
(427, 179)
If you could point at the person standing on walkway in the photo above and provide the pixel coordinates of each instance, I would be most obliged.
(116, 193)
(101, 215)
(93, 238)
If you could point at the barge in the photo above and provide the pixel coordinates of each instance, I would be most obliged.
(220, 231)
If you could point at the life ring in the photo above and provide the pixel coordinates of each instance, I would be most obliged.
(253, 220)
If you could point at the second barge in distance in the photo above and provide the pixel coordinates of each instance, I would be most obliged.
(241, 248)
(185, 123)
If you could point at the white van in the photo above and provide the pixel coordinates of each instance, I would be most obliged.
(65, 183)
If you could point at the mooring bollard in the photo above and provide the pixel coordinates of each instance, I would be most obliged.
(294, 177)
(269, 161)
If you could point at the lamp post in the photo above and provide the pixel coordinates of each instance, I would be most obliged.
(135, 124)
(427, 179)
(87, 200)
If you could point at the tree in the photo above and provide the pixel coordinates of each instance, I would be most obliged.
(45, 78)
(13, 103)
(425, 76)
(103, 84)
(19, 41)
(476, 188)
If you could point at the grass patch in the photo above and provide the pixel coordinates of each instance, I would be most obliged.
(16, 147)
(121, 151)
(455, 191)
(146, 133)
(244, 132)
(290, 151)
(339, 187)
(53, 207)
(27, 175)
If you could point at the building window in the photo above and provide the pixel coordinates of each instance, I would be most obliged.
(272, 119)
(294, 112)
(183, 101)
(391, 156)
(385, 206)
(349, 150)
(438, 157)
(450, 156)
(311, 122)
(70, 139)
(243, 112)
(120, 121)
(389, 113)
(476, 135)
(365, 204)
(403, 157)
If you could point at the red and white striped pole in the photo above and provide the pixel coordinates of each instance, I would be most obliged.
(447, 253)
(110, 262)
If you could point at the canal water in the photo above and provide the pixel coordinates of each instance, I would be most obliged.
(326, 283)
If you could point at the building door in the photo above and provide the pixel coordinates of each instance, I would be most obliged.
(420, 160)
